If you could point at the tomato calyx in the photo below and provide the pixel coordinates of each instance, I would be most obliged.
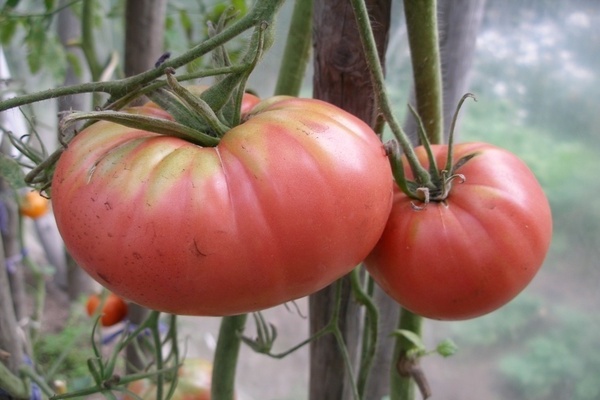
(433, 184)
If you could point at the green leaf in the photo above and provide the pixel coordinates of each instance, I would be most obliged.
(240, 5)
(11, 171)
(446, 348)
(412, 337)
(7, 30)
(75, 64)
(49, 4)
(36, 42)
(12, 3)
(186, 23)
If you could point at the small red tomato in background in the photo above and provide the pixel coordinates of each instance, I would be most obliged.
(33, 204)
(113, 312)
(475, 251)
(193, 382)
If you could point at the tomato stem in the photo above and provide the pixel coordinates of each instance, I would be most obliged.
(262, 10)
(401, 387)
(371, 324)
(422, 32)
(157, 125)
(264, 29)
(378, 80)
(226, 357)
(297, 50)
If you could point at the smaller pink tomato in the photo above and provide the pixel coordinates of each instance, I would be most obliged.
(473, 252)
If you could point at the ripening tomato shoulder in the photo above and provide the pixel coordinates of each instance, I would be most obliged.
(472, 253)
(289, 201)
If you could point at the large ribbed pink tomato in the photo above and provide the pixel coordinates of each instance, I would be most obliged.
(473, 252)
(288, 201)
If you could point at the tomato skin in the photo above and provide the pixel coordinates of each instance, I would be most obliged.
(288, 202)
(113, 312)
(34, 205)
(476, 252)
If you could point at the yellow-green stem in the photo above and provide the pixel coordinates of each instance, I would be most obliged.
(297, 50)
(421, 27)
(262, 10)
(378, 80)
(402, 387)
(226, 356)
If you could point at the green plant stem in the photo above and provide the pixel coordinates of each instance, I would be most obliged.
(263, 10)
(14, 385)
(88, 44)
(369, 339)
(153, 322)
(422, 30)
(378, 80)
(402, 387)
(226, 356)
(297, 50)
(29, 374)
(13, 15)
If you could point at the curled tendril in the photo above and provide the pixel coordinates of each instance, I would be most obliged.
(447, 182)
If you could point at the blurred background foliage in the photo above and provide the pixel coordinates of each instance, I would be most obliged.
(536, 79)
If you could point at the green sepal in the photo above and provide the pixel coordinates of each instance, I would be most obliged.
(156, 125)
(180, 112)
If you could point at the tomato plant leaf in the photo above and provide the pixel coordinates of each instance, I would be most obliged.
(36, 41)
(49, 4)
(11, 3)
(411, 337)
(9, 27)
(186, 24)
(11, 171)
(75, 63)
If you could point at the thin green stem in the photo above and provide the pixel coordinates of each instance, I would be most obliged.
(153, 322)
(422, 30)
(38, 15)
(334, 327)
(297, 50)
(88, 44)
(323, 331)
(339, 337)
(402, 387)
(14, 385)
(369, 341)
(29, 374)
(40, 288)
(378, 80)
(262, 10)
(226, 357)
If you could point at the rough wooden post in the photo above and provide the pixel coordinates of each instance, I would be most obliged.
(341, 77)
(144, 38)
